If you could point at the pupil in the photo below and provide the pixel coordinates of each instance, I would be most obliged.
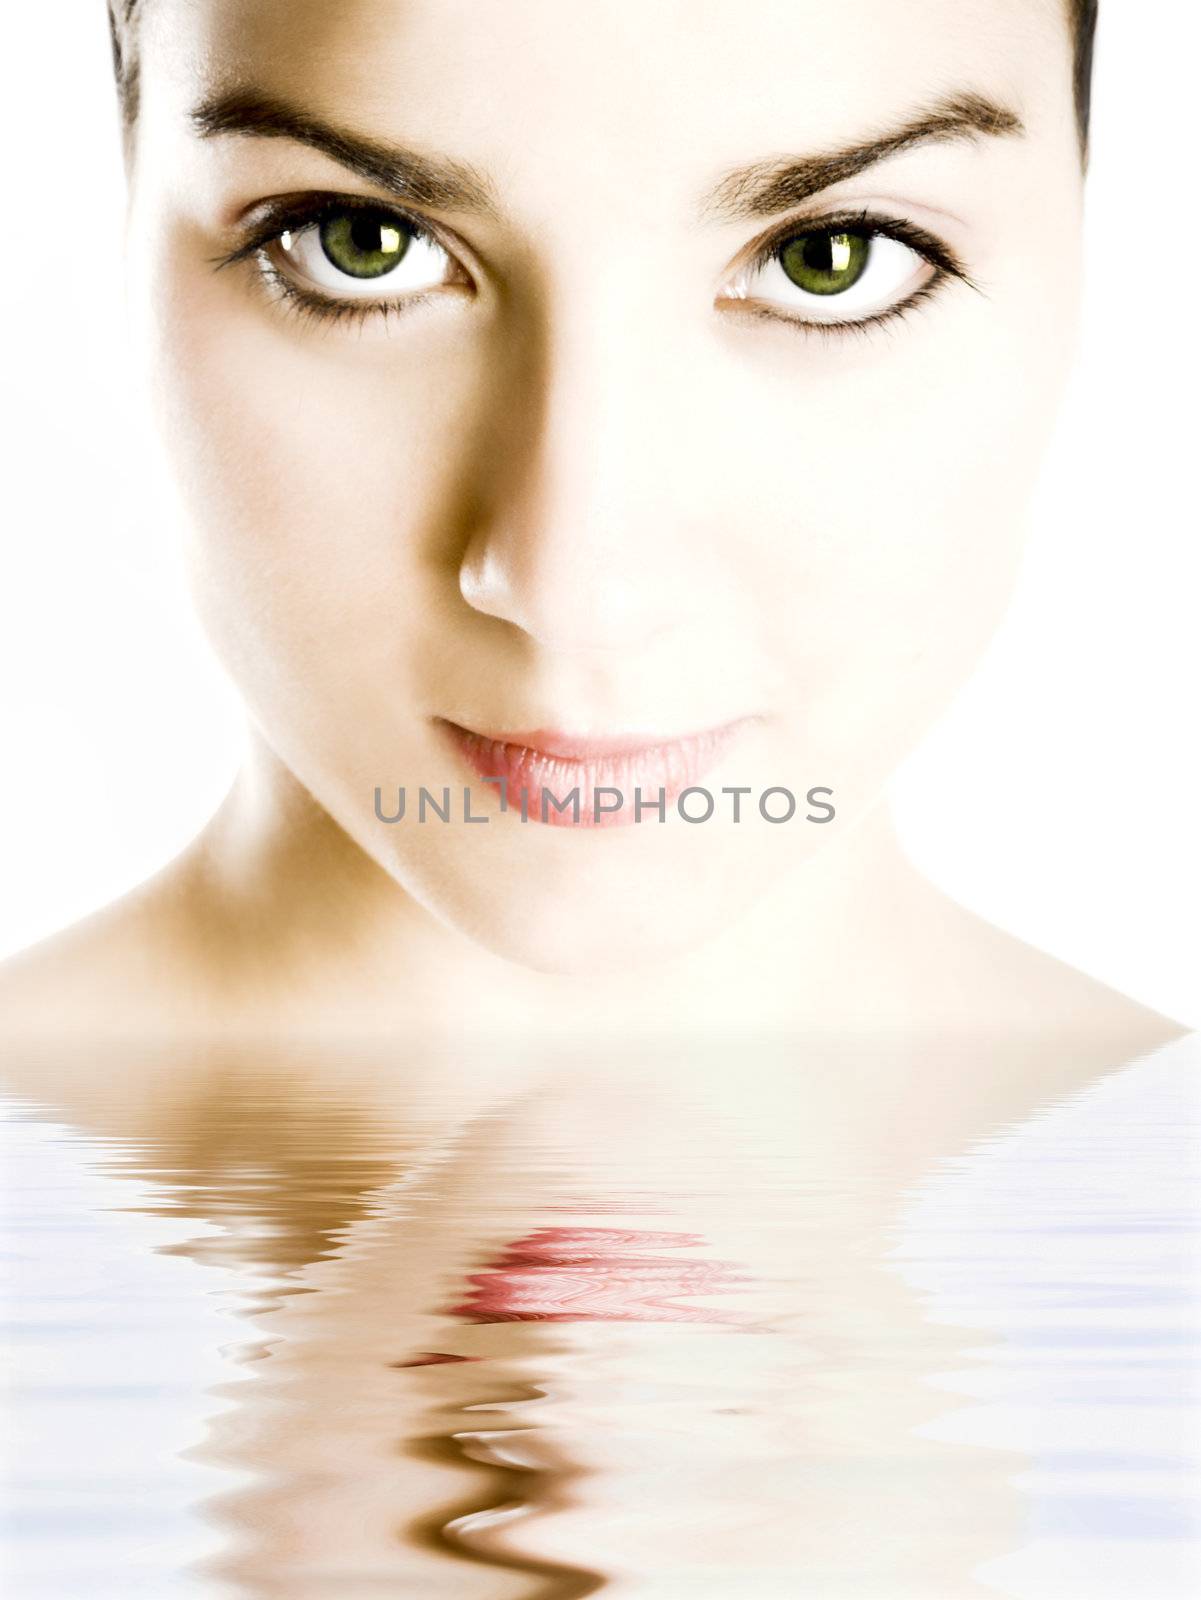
(828, 252)
(819, 253)
(367, 235)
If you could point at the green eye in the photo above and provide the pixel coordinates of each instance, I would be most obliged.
(825, 263)
(364, 244)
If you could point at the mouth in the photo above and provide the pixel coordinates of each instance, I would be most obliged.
(619, 780)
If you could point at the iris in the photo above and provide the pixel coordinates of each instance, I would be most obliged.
(363, 243)
(825, 263)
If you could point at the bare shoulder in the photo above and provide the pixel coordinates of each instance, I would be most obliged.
(1000, 977)
(109, 1021)
(118, 970)
(170, 998)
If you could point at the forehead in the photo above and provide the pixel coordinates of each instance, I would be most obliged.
(702, 79)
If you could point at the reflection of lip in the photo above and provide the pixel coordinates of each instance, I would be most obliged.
(547, 759)
(597, 1275)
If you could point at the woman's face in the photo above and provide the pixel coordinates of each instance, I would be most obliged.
(549, 367)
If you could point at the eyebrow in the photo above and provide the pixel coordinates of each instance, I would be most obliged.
(759, 190)
(424, 180)
(767, 187)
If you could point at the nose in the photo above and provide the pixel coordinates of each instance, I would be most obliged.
(583, 539)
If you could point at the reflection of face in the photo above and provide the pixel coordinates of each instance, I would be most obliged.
(575, 443)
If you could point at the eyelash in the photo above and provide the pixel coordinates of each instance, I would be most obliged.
(947, 268)
(312, 210)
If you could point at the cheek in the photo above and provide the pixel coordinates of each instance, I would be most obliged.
(322, 496)
(894, 473)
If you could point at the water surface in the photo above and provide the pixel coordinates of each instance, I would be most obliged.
(619, 1330)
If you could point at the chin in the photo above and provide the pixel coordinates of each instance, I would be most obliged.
(593, 905)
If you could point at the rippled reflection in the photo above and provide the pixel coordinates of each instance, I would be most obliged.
(827, 1323)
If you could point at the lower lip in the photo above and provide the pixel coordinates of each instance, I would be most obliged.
(653, 771)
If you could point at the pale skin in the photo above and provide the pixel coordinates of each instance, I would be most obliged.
(582, 485)
(584, 488)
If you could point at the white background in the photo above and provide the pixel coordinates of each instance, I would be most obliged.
(1060, 798)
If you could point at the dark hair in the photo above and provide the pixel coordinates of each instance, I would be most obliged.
(123, 16)
(1084, 32)
(122, 21)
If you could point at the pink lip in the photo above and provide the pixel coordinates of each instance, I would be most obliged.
(598, 1275)
(547, 759)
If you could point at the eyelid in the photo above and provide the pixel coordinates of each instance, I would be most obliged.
(925, 244)
(297, 212)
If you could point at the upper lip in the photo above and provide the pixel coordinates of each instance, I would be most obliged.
(579, 747)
